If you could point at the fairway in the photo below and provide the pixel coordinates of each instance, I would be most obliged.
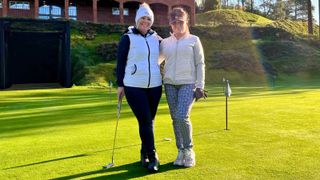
(68, 134)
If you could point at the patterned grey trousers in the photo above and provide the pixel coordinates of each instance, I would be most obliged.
(180, 99)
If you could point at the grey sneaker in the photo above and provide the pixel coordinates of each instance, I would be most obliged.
(180, 159)
(189, 158)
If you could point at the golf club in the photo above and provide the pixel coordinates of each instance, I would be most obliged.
(115, 135)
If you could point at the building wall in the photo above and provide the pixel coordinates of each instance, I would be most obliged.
(84, 13)
(103, 12)
(161, 13)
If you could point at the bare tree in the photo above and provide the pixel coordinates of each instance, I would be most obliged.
(267, 6)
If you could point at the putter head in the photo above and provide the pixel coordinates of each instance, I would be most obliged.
(108, 166)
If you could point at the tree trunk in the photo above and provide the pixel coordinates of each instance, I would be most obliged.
(310, 28)
(295, 10)
(251, 5)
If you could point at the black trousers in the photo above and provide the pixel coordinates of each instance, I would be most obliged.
(144, 104)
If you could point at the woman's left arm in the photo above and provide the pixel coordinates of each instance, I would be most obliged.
(199, 64)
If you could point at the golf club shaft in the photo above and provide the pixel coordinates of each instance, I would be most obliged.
(115, 132)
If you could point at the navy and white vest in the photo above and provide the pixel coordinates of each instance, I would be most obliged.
(142, 69)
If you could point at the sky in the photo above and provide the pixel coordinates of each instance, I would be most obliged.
(315, 12)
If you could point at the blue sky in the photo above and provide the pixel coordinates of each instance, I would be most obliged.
(316, 12)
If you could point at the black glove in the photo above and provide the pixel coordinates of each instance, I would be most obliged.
(200, 93)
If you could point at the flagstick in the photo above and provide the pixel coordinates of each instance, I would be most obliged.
(226, 113)
(110, 91)
(227, 93)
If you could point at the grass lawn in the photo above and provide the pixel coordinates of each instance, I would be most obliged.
(68, 134)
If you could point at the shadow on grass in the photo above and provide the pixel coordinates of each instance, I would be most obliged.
(34, 86)
(86, 154)
(126, 171)
(47, 161)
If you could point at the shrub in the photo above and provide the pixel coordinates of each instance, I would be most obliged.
(100, 74)
(108, 51)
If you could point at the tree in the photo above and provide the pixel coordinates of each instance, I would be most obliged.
(216, 4)
(208, 5)
(267, 6)
(251, 5)
(243, 4)
(279, 10)
(310, 28)
(301, 9)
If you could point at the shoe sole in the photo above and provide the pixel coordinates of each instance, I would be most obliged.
(178, 164)
(191, 165)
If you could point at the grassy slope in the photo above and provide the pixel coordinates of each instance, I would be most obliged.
(227, 16)
(232, 48)
(295, 27)
(86, 60)
(275, 43)
(68, 133)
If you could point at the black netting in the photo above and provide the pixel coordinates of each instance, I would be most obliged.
(34, 51)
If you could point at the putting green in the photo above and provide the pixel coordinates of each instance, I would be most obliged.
(68, 134)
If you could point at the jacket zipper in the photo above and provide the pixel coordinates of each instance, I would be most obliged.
(148, 62)
(175, 62)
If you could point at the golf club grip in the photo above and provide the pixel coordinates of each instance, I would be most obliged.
(119, 107)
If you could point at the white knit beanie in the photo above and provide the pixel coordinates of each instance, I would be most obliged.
(144, 10)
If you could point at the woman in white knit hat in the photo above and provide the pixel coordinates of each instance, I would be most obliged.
(139, 79)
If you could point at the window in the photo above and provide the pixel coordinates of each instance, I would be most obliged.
(116, 11)
(73, 12)
(0, 3)
(126, 11)
(49, 12)
(19, 5)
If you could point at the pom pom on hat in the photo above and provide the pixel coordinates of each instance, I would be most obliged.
(144, 10)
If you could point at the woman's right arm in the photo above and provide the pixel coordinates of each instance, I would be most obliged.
(122, 56)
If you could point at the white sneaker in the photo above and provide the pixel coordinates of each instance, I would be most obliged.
(180, 159)
(189, 158)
